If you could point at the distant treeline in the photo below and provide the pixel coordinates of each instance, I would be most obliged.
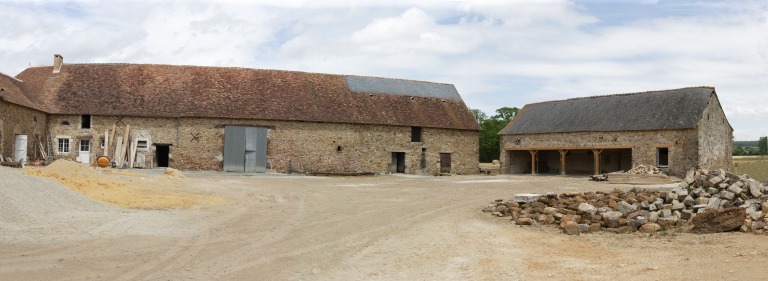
(759, 147)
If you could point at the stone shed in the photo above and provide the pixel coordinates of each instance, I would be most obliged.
(673, 130)
(251, 120)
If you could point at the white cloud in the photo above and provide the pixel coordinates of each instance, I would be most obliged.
(496, 52)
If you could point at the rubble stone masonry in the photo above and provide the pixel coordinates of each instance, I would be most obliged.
(198, 143)
(682, 145)
(19, 120)
(715, 138)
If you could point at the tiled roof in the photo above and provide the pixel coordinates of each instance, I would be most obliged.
(195, 91)
(11, 90)
(656, 110)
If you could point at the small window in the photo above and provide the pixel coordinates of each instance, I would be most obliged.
(63, 146)
(415, 134)
(65, 123)
(142, 144)
(85, 122)
(338, 148)
(662, 157)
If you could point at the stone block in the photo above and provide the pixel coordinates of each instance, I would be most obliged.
(758, 225)
(689, 201)
(570, 228)
(650, 227)
(587, 208)
(715, 180)
(612, 219)
(523, 221)
(712, 221)
(735, 189)
(526, 197)
(582, 228)
(667, 223)
(727, 195)
(665, 213)
(714, 203)
(653, 216)
(625, 208)
(678, 206)
(755, 188)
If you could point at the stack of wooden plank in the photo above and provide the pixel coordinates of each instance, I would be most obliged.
(125, 150)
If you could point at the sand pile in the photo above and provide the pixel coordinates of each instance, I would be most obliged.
(171, 172)
(127, 190)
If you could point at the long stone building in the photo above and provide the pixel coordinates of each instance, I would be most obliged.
(238, 119)
(673, 130)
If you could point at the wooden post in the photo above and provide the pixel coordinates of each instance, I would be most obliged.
(596, 154)
(562, 161)
(106, 144)
(533, 160)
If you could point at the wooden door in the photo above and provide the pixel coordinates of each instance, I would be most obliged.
(445, 163)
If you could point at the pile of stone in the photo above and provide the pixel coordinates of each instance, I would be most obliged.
(645, 170)
(704, 202)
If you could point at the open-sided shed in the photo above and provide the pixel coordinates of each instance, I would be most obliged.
(671, 129)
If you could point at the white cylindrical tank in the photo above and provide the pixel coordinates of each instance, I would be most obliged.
(20, 148)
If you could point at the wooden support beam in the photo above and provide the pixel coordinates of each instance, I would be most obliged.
(533, 160)
(562, 161)
(596, 154)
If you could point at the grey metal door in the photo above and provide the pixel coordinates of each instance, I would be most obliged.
(245, 149)
(255, 150)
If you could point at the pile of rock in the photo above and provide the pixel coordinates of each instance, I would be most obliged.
(707, 202)
(645, 170)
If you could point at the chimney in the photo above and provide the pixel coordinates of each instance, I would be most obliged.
(58, 60)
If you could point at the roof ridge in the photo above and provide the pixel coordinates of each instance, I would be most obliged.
(242, 68)
(623, 94)
(14, 78)
(400, 79)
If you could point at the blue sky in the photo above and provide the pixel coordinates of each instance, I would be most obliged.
(496, 52)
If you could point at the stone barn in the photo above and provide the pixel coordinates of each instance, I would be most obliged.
(673, 130)
(246, 120)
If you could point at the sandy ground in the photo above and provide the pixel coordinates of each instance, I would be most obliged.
(353, 228)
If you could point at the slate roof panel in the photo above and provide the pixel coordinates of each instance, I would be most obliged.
(655, 110)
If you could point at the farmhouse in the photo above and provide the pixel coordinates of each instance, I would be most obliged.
(674, 130)
(238, 119)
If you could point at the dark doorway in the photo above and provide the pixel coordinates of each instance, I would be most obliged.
(398, 162)
(423, 160)
(162, 153)
(445, 163)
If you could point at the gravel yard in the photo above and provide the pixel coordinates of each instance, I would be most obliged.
(278, 227)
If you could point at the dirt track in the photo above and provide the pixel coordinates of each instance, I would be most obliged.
(367, 228)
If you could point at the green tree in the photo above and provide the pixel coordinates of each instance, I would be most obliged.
(762, 144)
(505, 114)
(480, 116)
(738, 150)
(489, 131)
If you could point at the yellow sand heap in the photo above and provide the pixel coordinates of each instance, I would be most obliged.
(125, 189)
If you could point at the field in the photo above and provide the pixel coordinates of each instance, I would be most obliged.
(280, 227)
(755, 166)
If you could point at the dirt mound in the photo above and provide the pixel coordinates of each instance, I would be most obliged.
(171, 172)
(126, 190)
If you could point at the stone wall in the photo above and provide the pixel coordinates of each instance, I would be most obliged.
(715, 138)
(682, 145)
(197, 143)
(19, 120)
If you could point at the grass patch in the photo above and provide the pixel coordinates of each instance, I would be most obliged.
(755, 167)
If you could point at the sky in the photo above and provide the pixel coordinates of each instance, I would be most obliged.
(498, 53)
